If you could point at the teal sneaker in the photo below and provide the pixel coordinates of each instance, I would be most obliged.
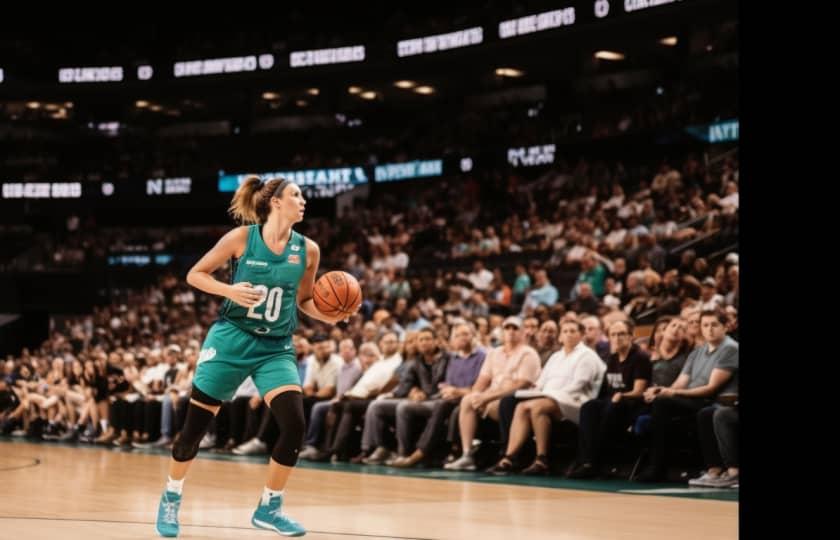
(167, 518)
(268, 516)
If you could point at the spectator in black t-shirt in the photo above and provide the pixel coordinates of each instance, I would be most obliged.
(602, 420)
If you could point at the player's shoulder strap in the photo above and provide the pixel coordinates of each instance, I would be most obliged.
(251, 245)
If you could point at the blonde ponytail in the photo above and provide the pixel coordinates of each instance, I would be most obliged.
(243, 206)
(252, 201)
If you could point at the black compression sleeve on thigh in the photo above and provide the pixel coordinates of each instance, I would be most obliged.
(287, 409)
(201, 397)
(186, 444)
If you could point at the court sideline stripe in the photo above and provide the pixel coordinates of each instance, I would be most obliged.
(34, 518)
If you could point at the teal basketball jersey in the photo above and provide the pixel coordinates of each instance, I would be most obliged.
(276, 277)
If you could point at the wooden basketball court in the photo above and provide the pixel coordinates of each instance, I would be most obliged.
(87, 492)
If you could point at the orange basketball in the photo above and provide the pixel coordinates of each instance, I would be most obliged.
(337, 293)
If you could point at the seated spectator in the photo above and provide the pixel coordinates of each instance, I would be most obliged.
(603, 420)
(418, 383)
(709, 297)
(507, 368)
(710, 370)
(546, 342)
(593, 273)
(572, 376)
(585, 302)
(669, 355)
(542, 293)
(349, 373)
(593, 336)
(461, 373)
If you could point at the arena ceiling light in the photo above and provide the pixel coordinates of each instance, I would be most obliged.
(33, 105)
(368, 95)
(670, 41)
(313, 91)
(156, 108)
(405, 84)
(141, 103)
(425, 90)
(354, 89)
(609, 55)
(301, 103)
(52, 106)
(268, 96)
(509, 72)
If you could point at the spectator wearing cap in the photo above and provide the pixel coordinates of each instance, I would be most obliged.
(710, 299)
(510, 367)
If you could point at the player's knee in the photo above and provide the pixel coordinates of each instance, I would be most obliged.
(184, 450)
(198, 419)
(287, 408)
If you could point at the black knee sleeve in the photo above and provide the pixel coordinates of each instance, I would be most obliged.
(201, 397)
(198, 419)
(287, 409)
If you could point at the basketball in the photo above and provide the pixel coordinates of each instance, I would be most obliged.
(337, 293)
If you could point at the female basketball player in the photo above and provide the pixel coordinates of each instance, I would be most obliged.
(273, 274)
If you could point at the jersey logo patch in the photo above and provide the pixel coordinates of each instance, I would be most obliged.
(206, 354)
(294, 259)
(252, 262)
(295, 247)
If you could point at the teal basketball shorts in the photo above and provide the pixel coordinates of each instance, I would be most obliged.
(229, 355)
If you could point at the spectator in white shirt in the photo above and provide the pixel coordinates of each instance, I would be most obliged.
(572, 376)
